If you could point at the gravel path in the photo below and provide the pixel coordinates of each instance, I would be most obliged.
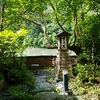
(46, 90)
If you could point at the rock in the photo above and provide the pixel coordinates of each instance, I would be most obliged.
(42, 85)
(46, 91)
(49, 96)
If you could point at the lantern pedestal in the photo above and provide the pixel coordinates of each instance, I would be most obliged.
(63, 62)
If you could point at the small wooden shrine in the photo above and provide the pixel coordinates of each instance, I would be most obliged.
(63, 57)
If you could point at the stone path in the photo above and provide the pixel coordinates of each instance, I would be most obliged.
(46, 90)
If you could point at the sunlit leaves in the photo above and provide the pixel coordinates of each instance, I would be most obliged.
(17, 11)
(10, 41)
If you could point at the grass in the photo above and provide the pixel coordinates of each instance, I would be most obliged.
(86, 90)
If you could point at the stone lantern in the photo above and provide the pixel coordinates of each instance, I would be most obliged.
(63, 58)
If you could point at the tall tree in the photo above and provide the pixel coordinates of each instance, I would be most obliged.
(68, 15)
(34, 11)
(2, 8)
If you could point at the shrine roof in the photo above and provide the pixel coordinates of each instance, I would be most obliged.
(31, 51)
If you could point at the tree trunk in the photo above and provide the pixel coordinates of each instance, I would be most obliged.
(76, 49)
(57, 19)
(2, 16)
(92, 54)
(44, 30)
(76, 33)
(46, 35)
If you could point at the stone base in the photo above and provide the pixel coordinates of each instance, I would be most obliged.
(63, 62)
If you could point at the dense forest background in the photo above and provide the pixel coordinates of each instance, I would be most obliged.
(44, 19)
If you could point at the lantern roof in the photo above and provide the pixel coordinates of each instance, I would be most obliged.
(63, 33)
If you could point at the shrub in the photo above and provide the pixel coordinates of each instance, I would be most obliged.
(1, 76)
(87, 72)
(16, 74)
(12, 67)
(18, 93)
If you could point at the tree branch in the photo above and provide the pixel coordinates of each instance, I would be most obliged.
(56, 17)
(97, 1)
(2, 16)
(37, 23)
(43, 28)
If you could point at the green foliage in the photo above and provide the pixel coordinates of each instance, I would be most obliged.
(90, 38)
(87, 72)
(18, 93)
(1, 76)
(11, 66)
(18, 11)
(15, 74)
(39, 40)
(81, 91)
(18, 74)
(85, 90)
(24, 90)
(29, 79)
(83, 58)
(12, 42)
